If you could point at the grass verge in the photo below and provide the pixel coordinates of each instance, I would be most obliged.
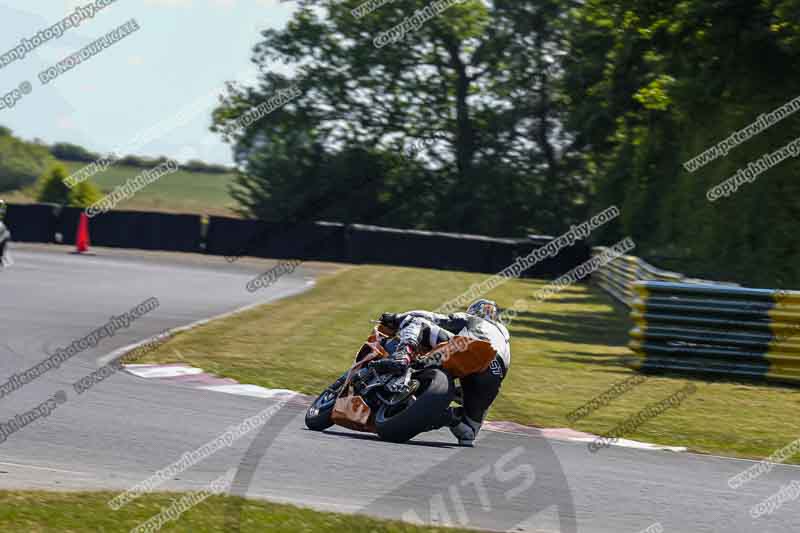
(565, 351)
(45, 512)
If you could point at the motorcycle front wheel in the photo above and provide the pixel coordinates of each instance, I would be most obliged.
(423, 410)
(318, 416)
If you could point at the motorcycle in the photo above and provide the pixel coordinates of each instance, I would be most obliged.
(5, 238)
(398, 408)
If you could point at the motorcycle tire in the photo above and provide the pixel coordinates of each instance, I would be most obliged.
(318, 416)
(426, 413)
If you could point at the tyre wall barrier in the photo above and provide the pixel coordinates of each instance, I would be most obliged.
(716, 329)
(31, 222)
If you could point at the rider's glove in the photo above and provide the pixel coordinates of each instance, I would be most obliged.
(397, 363)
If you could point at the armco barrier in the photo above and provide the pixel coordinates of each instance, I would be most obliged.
(716, 329)
(31, 222)
(696, 326)
(136, 229)
(618, 276)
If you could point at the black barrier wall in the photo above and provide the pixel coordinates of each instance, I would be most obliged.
(232, 237)
(320, 241)
(31, 222)
(373, 244)
(359, 243)
(136, 229)
(553, 267)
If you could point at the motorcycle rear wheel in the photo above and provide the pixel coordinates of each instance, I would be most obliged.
(424, 412)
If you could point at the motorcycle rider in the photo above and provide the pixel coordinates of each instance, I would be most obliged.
(5, 237)
(422, 330)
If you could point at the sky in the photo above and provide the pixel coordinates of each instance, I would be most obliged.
(150, 93)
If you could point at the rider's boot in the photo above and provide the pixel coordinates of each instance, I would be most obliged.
(463, 427)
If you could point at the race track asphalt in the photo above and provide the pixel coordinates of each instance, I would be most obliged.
(126, 428)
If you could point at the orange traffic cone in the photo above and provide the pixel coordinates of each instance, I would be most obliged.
(82, 237)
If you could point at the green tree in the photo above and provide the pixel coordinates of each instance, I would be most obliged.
(84, 194)
(52, 189)
(472, 78)
(21, 162)
(72, 152)
(653, 84)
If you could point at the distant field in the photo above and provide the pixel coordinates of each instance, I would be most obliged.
(182, 192)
